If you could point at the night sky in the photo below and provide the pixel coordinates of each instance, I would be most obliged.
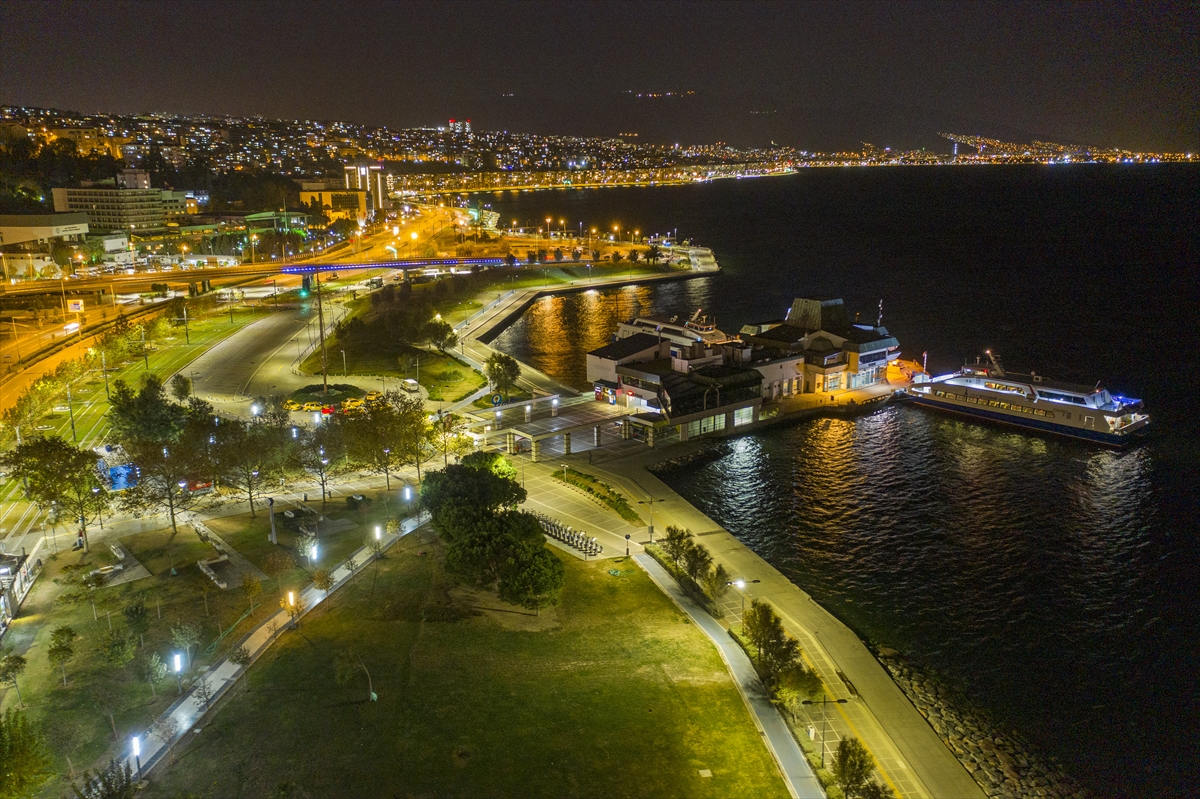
(816, 76)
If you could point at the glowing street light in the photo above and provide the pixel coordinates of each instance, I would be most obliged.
(137, 755)
(741, 586)
(179, 671)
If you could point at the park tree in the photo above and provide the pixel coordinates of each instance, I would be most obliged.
(171, 446)
(447, 434)
(492, 462)
(617, 257)
(373, 437)
(697, 562)
(165, 729)
(118, 648)
(410, 429)
(653, 253)
(65, 734)
(633, 256)
(294, 605)
(205, 692)
(109, 702)
(323, 451)
(137, 618)
(277, 563)
(510, 259)
(716, 583)
(114, 781)
(249, 455)
(677, 542)
(62, 648)
(251, 587)
(146, 415)
(55, 472)
(347, 665)
(12, 666)
(153, 670)
(852, 766)
(778, 652)
(440, 334)
(24, 756)
(477, 489)
(82, 587)
(759, 624)
(534, 581)
(164, 472)
(794, 685)
(185, 636)
(181, 387)
(502, 372)
(322, 579)
(242, 658)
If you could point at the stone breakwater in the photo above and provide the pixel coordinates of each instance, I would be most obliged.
(1003, 764)
(711, 451)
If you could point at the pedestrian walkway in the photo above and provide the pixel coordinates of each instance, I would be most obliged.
(801, 781)
(188, 711)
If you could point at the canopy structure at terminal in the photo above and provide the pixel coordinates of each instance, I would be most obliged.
(538, 424)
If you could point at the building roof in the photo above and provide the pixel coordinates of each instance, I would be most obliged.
(861, 338)
(626, 347)
(43, 220)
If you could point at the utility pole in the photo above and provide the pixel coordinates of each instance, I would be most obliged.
(71, 412)
(321, 323)
(145, 353)
(104, 370)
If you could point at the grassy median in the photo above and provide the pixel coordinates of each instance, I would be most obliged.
(614, 693)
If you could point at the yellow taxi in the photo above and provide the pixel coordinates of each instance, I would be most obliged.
(351, 404)
(373, 396)
(291, 405)
(311, 406)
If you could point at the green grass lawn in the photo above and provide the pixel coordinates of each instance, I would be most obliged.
(443, 376)
(249, 536)
(614, 693)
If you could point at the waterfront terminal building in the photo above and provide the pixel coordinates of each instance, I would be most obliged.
(688, 378)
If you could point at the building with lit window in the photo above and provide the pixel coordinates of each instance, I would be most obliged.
(132, 210)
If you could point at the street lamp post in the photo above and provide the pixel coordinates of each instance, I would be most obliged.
(179, 671)
(823, 702)
(650, 501)
(137, 756)
(741, 586)
(343, 363)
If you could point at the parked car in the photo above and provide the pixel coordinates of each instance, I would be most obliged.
(292, 405)
(411, 386)
(311, 406)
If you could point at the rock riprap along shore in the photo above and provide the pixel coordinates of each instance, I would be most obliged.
(1002, 763)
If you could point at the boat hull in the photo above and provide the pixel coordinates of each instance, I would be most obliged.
(1094, 436)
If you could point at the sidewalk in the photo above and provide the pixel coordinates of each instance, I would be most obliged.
(801, 781)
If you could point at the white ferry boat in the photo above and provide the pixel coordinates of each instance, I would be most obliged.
(1032, 401)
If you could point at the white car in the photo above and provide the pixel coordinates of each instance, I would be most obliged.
(411, 386)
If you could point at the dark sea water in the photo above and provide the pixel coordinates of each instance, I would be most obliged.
(1054, 582)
